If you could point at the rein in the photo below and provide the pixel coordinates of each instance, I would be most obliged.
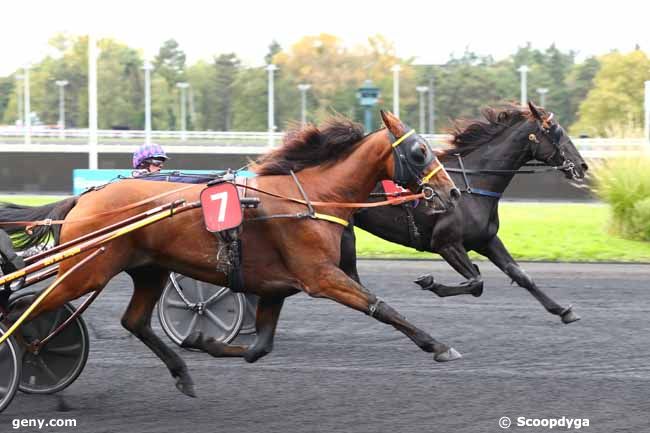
(29, 225)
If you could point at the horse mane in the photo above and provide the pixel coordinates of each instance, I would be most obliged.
(309, 145)
(468, 135)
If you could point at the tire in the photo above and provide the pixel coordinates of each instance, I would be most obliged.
(183, 309)
(60, 362)
(10, 369)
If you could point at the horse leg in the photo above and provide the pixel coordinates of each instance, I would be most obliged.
(149, 282)
(456, 255)
(499, 255)
(268, 312)
(330, 282)
(348, 261)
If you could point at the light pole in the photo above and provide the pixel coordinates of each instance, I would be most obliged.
(28, 117)
(147, 67)
(542, 95)
(271, 68)
(646, 117)
(396, 69)
(523, 70)
(183, 86)
(19, 99)
(92, 103)
(303, 102)
(432, 113)
(62, 84)
(422, 90)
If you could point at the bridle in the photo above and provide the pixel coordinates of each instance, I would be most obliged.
(410, 164)
(554, 134)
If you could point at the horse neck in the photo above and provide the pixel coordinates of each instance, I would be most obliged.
(500, 153)
(353, 178)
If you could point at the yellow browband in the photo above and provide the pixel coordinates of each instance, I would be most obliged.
(403, 137)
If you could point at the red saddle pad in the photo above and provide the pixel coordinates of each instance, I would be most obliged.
(221, 207)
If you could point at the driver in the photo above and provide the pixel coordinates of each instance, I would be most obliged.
(148, 158)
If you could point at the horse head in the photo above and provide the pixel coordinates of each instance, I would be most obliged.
(415, 166)
(549, 144)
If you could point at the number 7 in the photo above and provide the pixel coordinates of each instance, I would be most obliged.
(223, 201)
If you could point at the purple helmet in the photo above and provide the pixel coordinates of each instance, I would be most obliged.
(148, 151)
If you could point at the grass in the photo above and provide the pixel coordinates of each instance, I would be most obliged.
(531, 231)
(541, 231)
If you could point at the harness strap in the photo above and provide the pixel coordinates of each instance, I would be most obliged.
(310, 209)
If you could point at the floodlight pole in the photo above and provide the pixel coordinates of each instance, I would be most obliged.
(28, 118)
(271, 68)
(523, 70)
(542, 95)
(61, 84)
(147, 101)
(646, 123)
(92, 102)
(303, 102)
(421, 91)
(183, 86)
(396, 69)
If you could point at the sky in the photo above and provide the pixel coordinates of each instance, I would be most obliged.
(429, 30)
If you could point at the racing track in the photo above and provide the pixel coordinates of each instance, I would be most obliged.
(336, 370)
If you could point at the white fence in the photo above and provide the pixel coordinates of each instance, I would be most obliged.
(116, 141)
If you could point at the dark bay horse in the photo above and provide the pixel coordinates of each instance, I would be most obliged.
(491, 151)
(282, 256)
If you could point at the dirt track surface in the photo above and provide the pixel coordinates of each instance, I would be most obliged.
(336, 370)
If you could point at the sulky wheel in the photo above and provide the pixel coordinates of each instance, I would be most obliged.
(9, 369)
(57, 364)
(189, 305)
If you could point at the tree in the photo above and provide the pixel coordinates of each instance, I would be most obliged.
(170, 62)
(615, 104)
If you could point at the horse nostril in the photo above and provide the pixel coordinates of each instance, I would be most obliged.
(454, 194)
(584, 166)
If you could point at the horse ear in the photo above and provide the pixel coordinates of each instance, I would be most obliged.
(534, 111)
(393, 123)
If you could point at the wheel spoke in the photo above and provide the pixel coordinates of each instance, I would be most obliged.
(217, 296)
(191, 326)
(43, 366)
(216, 320)
(200, 291)
(63, 350)
(55, 322)
(176, 304)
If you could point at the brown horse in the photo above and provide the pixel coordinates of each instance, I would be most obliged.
(282, 256)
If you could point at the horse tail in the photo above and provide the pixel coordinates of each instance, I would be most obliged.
(23, 240)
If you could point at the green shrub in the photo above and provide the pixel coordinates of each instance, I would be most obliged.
(624, 183)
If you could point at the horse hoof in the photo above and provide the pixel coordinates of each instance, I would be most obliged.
(426, 282)
(477, 290)
(450, 354)
(186, 387)
(193, 341)
(569, 316)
